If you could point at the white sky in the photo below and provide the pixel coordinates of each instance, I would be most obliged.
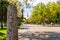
(44, 1)
(38, 1)
(35, 2)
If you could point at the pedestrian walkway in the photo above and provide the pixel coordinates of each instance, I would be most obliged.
(38, 32)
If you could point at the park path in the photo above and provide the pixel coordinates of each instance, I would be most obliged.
(38, 32)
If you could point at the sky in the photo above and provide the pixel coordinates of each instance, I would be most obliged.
(35, 2)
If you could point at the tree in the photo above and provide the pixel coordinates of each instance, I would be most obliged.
(38, 14)
(46, 13)
(12, 23)
(3, 12)
(3, 9)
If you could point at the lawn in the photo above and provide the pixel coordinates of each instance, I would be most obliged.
(3, 33)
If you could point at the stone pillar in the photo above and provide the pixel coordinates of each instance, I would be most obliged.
(12, 23)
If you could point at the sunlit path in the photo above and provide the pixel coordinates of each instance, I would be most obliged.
(38, 32)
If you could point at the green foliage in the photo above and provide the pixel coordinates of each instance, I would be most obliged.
(46, 13)
(3, 10)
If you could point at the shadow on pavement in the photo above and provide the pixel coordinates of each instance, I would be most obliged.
(24, 28)
(39, 36)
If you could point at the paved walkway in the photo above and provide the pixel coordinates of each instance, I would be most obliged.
(38, 32)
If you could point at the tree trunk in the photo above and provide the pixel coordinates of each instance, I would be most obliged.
(1, 25)
(12, 23)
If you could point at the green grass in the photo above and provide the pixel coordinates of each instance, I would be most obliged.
(3, 33)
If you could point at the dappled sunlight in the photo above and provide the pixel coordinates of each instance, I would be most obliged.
(30, 20)
(39, 36)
